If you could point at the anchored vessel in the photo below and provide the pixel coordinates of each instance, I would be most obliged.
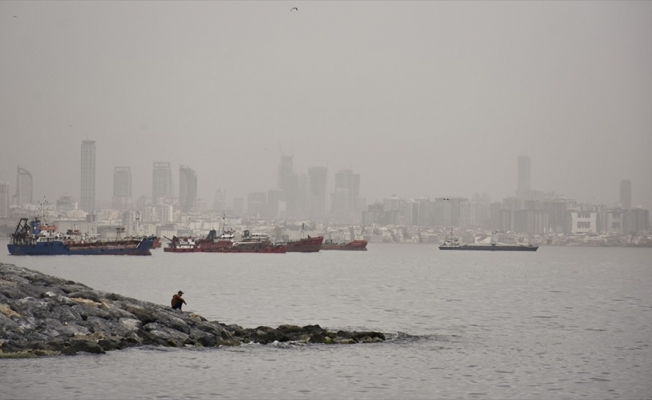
(453, 243)
(306, 245)
(356, 245)
(35, 238)
(225, 243)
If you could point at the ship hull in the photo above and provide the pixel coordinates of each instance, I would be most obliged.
(490, 248)
(178, 250)
(236, 249)
(308, 245)
(205, 246)
(355, 245)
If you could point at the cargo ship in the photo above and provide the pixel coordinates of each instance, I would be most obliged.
(452, 243)
(355, 245)
(35, 238)
(305, 245)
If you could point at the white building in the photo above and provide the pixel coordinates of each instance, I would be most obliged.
(583, 222)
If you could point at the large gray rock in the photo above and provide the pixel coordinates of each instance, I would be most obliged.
(45, 315)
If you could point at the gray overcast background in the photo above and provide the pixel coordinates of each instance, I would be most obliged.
(421, 98)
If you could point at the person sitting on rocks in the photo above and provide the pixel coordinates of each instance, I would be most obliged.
(178, 301)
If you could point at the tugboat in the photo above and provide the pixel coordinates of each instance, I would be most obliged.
(36, 239)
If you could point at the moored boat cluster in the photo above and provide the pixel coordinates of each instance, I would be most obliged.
(37, 238)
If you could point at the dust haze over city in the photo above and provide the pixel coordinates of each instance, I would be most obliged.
(420, 99)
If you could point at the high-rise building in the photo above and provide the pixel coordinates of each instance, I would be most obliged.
(285, 171)
(161, 181)
(142, 202)
(626, 194)
(288, 182)
(275, 204)
(219, 204)
(524, 178)
(122, 188)
(24, 187)
(238, 206)
(641, 219)
(346, 196)
(187, 188)
(257, 204)
(4, 199)
(443, 211)
(87, 195)
(318, 187)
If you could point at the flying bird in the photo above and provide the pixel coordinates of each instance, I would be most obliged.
(293, 8)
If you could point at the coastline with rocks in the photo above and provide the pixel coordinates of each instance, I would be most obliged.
(43, 315)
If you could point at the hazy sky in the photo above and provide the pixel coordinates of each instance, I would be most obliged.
(423, 98)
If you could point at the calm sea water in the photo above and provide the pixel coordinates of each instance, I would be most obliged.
(561, 323)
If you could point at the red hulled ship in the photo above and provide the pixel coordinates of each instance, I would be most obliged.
(358, 245)
(306, 245)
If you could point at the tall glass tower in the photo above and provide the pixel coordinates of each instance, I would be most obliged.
(87, 195)
(626, 194)
(24, 186)
(318, 187)
(187, 188)
(161, 181)
(122, 188)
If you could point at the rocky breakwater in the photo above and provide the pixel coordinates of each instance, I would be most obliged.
(44, 315)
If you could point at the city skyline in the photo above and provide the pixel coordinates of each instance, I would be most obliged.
(440, 106)
(162, 181)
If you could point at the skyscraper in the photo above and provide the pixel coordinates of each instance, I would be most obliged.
(122, 188)
(288, 182)
(219, 204)
(626, 194)
(318, 187)
(187, 188)
(524, 178)
(4, 199)
(24, 186)
(87, 195)
(346, 195)
(161, 181)
(285, 171)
